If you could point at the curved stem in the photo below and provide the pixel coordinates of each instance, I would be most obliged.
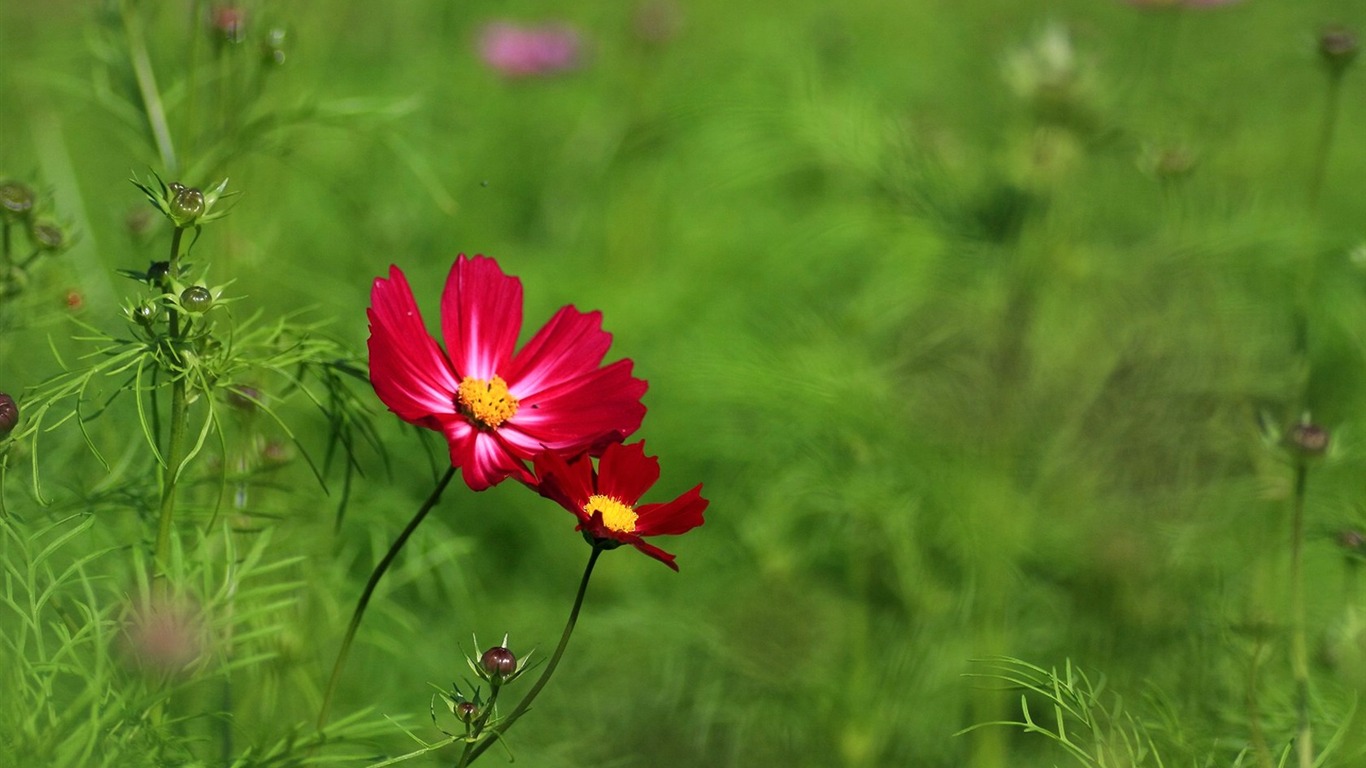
(472, 751)
(369, 590)
(1299, 656)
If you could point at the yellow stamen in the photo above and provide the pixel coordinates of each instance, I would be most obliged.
(616, 516)
(485, 402)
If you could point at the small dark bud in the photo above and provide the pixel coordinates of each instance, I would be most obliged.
(157, 271)
(498, 662)
(466, 711)
(196, 299)
(1310, 440)
(74, 300)
(9, 415)
(187, 206)
(16, 199)
(1338, 47)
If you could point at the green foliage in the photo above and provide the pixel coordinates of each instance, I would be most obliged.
(972, 317)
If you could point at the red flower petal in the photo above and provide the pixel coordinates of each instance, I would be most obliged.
(585, 413)
(407, 369)
(568, 483)
(655, 552)
(481, 317)
(570, 345)
(625, 473)
(672, 518)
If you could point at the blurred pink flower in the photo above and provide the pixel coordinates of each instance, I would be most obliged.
(518, 51)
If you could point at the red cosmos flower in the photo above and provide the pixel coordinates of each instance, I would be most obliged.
(605, 500)
(498, 408)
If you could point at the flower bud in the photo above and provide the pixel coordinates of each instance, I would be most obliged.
(273, 48)
(466, 711)
(9, 415)
(186, 206)
(47, 236)
(498, 662)
(1353, 543)
(229, 24)
(1308, 440)
(157, 272)
(196, 299)
(145, 314)
(16, 200)
(1338, 47)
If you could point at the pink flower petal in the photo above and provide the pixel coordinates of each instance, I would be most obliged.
(571, 344)
(481, 316)
(581, 414)
(672, 518)
(625, 473)
(407, 369)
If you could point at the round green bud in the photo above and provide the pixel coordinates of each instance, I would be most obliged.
(16, 199)
(47, 236)
(145, 314)
(466, 711)
(196, 299)
(187, 206)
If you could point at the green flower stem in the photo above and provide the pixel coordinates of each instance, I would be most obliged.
(473, 751)
(1327, 130)
(175, 443)
(1299, 656)
(369, 590)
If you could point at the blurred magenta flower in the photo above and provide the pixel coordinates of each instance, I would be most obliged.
(496, 408)
(524, 51)
(606, 500)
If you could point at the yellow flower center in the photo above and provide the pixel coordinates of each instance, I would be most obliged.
(487, 403)
(615, 515)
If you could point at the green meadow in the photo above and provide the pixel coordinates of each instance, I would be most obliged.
(1004, 338)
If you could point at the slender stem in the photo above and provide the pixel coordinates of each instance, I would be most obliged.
(472, 751)
(175, 442)
(369, 590)
(1326, 132)
(147, 87)
(1299, 656)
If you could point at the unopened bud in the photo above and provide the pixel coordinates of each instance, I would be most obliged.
(16, 199)
(466, 711)
(1338, 47)
(187, 205)
(9, 415)
(273, 47)
(196, 299)
(498, 662)
(1310, 440)
(48, 236)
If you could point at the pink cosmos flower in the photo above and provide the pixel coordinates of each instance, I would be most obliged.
(498, 408)
(518, 51)
(606, 500)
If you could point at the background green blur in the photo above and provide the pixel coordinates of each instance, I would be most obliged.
(972, 348)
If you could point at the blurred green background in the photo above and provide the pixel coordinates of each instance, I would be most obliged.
(969, 316)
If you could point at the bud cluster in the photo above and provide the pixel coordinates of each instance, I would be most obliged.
(23, 209)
